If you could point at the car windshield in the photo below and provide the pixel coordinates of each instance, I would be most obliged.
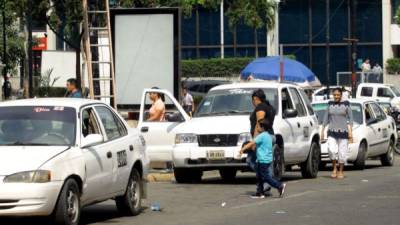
(37, 125)
(233, 102)
(385, 105)
(320, 109)
(396, 90)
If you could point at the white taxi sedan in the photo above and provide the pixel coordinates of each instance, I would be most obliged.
(374, 133)
(59, 155)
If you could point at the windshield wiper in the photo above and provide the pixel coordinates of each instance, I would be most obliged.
(238, 112)
(27, 144)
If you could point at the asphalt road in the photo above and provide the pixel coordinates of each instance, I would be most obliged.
(368, 197)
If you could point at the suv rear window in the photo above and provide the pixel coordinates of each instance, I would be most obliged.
(366, 91)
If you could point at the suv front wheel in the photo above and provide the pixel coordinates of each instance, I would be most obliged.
(309, 168)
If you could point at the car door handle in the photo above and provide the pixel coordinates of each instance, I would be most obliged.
(379, 129)
(144, 129)
(130, 147)
(109, 155)
(298, 124)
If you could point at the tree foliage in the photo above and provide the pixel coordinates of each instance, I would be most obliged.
(398, 15)
(254, 13)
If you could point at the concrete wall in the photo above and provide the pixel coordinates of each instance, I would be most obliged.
(393, 79)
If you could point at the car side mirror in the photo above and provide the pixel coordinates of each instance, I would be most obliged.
(372, 121)
(290, 113)
(174, 117)
(92, 139)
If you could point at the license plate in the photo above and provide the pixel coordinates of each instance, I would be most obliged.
(215, 155)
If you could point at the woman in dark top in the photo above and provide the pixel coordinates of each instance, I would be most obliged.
(263, 110)
(339, 117)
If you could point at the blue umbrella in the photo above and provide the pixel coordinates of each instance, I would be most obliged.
(268, 68)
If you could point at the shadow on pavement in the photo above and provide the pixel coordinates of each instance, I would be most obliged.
(90, 215)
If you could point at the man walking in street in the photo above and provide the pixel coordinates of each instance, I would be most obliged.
(6, 88)
(73, 91)
(187, 102)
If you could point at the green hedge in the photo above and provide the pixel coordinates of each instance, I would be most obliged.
(50, 92)
(216, 67)
(393, 66)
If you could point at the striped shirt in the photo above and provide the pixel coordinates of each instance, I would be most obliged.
(339, 116)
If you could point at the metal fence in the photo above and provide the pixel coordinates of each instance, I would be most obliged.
(344, 78)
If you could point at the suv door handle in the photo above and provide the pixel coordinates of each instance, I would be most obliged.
(109, 155)
(144, 129)
(130, 147)
(379, 129)
(298, 124)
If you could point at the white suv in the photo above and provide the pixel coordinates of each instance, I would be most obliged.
(211, 140)
(380, 92)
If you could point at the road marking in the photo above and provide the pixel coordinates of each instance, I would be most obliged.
(272, 200)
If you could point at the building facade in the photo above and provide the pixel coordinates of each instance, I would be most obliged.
(302, 32)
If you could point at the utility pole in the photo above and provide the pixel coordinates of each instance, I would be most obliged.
(222, 29)
(4, 41)
(30, 43)
(328, 63)
(353, 41)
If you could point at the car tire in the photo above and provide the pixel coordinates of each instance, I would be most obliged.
(310, 168)
(130, 204)
(228, 174)
(279, 162)
(359, 163)
(68, 208)
(387, 159)
(397, 146)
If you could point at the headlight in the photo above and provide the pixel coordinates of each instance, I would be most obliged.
(38, 176)
(244, 137)
(185, 138)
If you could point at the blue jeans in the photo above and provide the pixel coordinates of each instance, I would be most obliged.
(264, 175)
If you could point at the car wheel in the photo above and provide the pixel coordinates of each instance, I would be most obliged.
(228, 174)
(309, 168)
(279, 162)
(359, 163)
(130, 203)
(68, 208)
(397, 147)
(387, 159)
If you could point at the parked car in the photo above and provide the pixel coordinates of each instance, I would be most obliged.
(322, 93)
(212, 139)
(201, 87)
(59, 155)
(374, 133)
(380, 92)
(395, 114)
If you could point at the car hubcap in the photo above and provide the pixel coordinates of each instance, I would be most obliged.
(72, 206)
(134, 193)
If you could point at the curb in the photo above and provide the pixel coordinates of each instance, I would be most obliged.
(160, 177)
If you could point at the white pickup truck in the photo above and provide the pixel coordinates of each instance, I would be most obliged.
(212, 139)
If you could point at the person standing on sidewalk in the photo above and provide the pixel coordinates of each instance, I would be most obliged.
(72, 88)
(339, 117)
(187, 101)
(6, 88)
(264, 152)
